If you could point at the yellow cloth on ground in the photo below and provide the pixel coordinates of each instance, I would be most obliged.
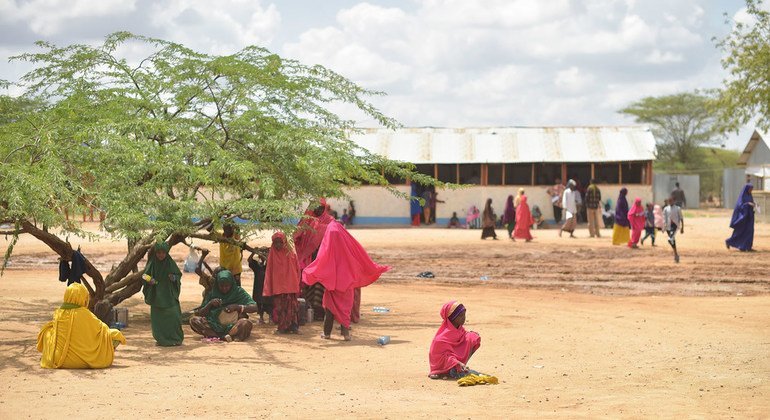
(230, 258)
(76, 338)
(480, 379)
(620, 235)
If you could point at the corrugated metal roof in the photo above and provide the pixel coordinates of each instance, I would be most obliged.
(510, 144)
(756, 137)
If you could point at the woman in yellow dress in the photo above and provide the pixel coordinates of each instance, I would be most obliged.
(621, 231)
(76, 338)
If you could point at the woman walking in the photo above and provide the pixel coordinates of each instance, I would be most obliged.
(509, 216)
(636, 221)
(742, 222)
(488, 221)
(524, 220)
(620, 231)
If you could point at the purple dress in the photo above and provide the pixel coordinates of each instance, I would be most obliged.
(742, 222)
(621, 209)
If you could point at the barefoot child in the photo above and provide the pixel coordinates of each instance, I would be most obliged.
(452, 346)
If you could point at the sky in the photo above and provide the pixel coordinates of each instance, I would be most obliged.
(442, 63)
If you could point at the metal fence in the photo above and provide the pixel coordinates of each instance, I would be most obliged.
(663, 184)
(733, 180)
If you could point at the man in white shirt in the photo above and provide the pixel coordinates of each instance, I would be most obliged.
(569, 205)
(673, 220)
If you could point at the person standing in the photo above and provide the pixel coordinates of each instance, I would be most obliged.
(230, 254)
(282, 284)
(488, 221)
(427, 197)
(593, 213)
(620, 230)
(433, 203)
(555, 192)
(742, 221)
(509, 216)
(649, 223)
(636, 222)
(524, 220)
(674, 219)
(351, 213)
(678, 196)
(569, 205)
(342, 265)
(161, 292)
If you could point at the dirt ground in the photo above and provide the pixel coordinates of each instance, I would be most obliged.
(572, 327)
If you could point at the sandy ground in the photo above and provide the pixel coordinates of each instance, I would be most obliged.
(572, 327)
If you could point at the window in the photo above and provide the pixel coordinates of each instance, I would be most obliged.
(470, 174)
(580, 172)
(447, 172)
(607, 173)
(633, 172)
(425, 169)
(395, 179)
(547, 173)
(518, 174)
(495, 174)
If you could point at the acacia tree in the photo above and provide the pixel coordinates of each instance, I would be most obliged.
(745, 97)
(175, 142)
(681, 123)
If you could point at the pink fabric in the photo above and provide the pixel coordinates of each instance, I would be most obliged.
(341, 265)
(636, 220)
(658, 214)
(282, 271)
(451, 345)
(524, 220)
(340, 304)
(310, 233)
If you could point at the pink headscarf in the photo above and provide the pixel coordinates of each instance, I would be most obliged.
(282, 272)
(658, 213)
(310, 232)
(451, 345)
(341, 265)
(636, 215)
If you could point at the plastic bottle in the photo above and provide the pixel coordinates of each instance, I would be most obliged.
(385, 339)
(380, 309)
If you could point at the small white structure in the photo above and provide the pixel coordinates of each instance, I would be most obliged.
(496, 161)
(756, 159)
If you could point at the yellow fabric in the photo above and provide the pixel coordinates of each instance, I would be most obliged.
(230, 257)
(480, 379)
(620, 235)
(76, 339)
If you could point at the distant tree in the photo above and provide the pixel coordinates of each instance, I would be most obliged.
(745, 97)
(681, 123)
(173, 143)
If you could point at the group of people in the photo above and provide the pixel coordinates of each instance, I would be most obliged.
(323, 258)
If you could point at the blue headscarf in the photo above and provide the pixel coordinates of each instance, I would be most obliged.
(742, 207)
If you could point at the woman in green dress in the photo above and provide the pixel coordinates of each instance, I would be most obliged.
(161, 292)
(224, 311)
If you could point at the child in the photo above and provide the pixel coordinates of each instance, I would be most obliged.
(452, 346)
(674, 219)
(658, 214)
(636, 221)
(230, 255)
(649, 223)
(454, 222)
(608, 216)
(258, 264)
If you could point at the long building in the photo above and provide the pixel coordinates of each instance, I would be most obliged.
(494, 162)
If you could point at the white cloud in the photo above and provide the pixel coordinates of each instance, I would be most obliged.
(222, 29)
(48, 17)
(660, 57)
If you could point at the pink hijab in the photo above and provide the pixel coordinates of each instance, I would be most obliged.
(282, 272)
(341, 265)
(636, 215)
(451, 345)
(310, 233)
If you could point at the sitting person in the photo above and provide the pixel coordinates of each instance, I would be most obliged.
(223, 313)
(76, 339)
(608, 216)
(452, 346)
(454, 222)
(537, 216)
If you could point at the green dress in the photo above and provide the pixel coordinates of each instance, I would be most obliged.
(163, 298)
(237, 295)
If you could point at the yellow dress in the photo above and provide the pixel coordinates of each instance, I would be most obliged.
(76, 338)
(230, 257)
(620, 235)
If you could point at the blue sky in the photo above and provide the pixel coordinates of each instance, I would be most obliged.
(441, 62)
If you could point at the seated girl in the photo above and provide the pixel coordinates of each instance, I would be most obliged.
(452, 346)
(76, 339)
(223, 314)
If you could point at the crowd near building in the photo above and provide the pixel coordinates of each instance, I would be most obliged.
(494, 162)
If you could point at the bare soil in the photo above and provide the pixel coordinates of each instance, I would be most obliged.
(572, 327)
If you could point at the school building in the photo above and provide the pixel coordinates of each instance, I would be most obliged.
(494, 162)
